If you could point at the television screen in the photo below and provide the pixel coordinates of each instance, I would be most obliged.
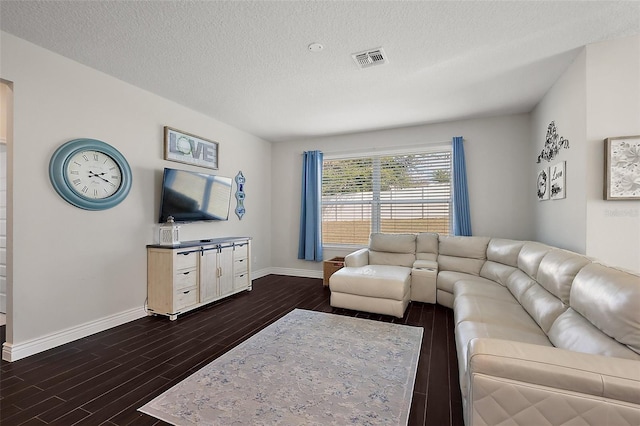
(192, 196)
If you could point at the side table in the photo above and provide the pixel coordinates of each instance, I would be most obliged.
(330, 266)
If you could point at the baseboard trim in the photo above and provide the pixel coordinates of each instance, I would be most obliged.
(15, 351)
(260, 273)
(307, 273)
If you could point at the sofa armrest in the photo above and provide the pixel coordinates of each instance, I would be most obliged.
(549, 367)
(357, 258)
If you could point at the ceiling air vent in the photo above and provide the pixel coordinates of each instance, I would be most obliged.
(370, 58)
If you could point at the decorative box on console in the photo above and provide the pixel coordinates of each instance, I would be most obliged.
(169, 233)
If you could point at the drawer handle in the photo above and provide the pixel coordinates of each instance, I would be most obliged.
(186, 273)
(186, 292)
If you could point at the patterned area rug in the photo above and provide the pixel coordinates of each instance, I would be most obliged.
(306, 368)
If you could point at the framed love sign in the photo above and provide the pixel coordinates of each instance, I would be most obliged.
(186, 148)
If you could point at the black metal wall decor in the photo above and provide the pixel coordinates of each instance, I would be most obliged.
(553, 144)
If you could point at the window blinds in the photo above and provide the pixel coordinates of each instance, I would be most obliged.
(385, 193)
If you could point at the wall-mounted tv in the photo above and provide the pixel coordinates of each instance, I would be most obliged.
(192, 196)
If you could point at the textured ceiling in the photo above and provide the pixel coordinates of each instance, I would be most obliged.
(246, 63)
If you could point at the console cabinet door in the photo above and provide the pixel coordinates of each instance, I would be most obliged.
(225, 274)
(209, 275)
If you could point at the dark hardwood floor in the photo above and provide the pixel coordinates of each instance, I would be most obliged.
(102, 379)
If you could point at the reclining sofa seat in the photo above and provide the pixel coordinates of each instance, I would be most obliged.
(543, 335)
(377, 279)
(383, 278)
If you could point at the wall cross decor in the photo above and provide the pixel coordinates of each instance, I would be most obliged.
(240, 195)
(553, 144)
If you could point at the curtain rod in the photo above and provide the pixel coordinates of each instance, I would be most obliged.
(388, 149)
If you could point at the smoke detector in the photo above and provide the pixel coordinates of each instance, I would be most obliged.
(370, 58)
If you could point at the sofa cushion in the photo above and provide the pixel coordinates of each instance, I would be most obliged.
(392, 249)
(518, 283)
(467, 330)
(383, 281)
(462, 254)
(446, 279)
(427, 246)
(543, 306)
(483, 289)
(504, 251)
(489, 311)
(610, 299)
(573, 332)
(530, 257)
(502, 259)
(548, 297)
(497, 272)
(557, 270)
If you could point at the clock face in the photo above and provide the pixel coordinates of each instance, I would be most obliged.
(90, 174)
(93, 174)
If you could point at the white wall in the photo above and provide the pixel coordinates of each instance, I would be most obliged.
(3, 227)
(70, 266)
(613, 109)
(5, 113)
(495, 151)
(561, 223)
(597, 97)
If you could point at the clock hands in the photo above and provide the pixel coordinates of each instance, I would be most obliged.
(92, 174)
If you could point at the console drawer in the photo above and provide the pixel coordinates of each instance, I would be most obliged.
(187, 260)
(241, 251)
(240, 266)
(185, 298)
(186, 278)
(240, 280)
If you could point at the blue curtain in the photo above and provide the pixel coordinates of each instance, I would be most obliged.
(461, 214)
(310, 243)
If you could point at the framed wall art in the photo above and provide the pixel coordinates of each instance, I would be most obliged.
(543, 184)
(186, 148)
(622, 168)
(557, 181)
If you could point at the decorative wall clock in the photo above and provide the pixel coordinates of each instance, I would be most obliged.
(90, 174)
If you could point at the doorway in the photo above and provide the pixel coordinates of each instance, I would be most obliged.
(6, 123)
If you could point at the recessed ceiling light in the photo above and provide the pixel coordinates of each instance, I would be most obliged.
(315, 47)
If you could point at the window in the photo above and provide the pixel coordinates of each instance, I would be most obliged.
(407, 192)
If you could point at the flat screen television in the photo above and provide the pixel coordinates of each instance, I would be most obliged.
(192, 196)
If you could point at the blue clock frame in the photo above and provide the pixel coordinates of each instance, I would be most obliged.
(58, 176)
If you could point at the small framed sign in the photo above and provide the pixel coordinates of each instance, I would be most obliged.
(622, 168)
(186, 148)
(557, 181)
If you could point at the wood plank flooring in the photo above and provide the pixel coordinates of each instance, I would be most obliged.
(102, 379)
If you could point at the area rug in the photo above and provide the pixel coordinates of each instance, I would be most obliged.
(306, 368)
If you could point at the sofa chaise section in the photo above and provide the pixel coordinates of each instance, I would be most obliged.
(377, 279)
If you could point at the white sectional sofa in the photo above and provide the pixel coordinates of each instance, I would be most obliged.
(544, 336)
